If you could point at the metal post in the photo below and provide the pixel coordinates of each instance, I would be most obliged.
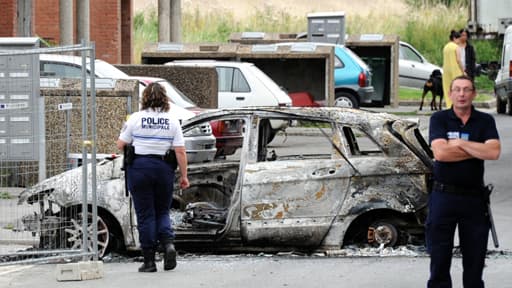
(93, 155)
(84, 150)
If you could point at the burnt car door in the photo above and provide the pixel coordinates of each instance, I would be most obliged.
(293, 189)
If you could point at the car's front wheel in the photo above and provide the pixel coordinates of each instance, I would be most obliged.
(346, 100)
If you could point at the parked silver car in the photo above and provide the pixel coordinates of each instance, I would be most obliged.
(338, 176)
(413, 68)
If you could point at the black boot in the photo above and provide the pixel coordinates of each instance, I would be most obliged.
(149, 261)
(169, 255)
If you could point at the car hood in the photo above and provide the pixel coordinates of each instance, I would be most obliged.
(66, 188)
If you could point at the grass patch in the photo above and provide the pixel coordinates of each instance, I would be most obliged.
(9, 226)
(5, 195)
(412, 94)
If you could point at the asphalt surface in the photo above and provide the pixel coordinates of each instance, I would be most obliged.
(291, 270)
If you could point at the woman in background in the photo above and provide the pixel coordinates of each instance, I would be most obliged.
(452, 64)
(469, 59)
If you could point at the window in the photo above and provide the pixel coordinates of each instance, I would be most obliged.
(359, 143)
(338, 63)
(60, 70)
(295, 142)
(408, 54)
(232, 80)
(239, 82)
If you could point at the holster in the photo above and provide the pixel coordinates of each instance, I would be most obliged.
(170, 158)
(129, 155)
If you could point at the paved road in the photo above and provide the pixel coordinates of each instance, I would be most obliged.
(304, 271)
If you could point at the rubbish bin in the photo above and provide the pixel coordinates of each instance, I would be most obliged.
(378, 67)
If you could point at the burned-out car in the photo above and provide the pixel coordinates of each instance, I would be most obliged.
(336, 176)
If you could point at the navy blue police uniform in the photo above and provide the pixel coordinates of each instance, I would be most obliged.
(457, 199)
(150, 177)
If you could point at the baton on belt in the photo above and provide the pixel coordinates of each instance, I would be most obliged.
(488, 190)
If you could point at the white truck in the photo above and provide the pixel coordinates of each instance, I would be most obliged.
(489, 18)
(503, 82)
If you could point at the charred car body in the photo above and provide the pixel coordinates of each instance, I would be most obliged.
(336, 177)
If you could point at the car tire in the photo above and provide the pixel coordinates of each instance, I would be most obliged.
(509, 106)
(346, 100)
(107, 238)
(383, 232)
(501, 106)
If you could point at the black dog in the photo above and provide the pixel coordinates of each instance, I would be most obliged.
(434, 84)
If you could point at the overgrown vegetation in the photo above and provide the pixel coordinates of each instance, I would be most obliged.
(426, 26)
(5, 195)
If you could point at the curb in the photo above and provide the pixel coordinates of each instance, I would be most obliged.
(486, 104)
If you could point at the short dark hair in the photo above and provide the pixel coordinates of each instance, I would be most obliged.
(464, 77)
(154, 97)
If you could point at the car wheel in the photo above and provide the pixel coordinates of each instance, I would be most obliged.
(501, 106)
(346, 100)
(383, 232)
(74, 232)
(509, 106)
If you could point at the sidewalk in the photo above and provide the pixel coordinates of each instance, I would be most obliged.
(234, 271)
(413, 106)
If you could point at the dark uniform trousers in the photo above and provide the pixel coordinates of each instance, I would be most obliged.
(446, 211)
(151, 183)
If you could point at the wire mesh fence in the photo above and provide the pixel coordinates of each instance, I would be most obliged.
(45, 215)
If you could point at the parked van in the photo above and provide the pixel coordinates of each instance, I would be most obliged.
(503, 82)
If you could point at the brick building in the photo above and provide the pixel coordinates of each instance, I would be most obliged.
(110, 25)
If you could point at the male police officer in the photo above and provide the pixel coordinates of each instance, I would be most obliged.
(461, 139)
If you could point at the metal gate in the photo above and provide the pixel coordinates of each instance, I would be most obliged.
(37, 137)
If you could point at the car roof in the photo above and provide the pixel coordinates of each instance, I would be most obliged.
(209, 63)
(356, 117)
(102, 68)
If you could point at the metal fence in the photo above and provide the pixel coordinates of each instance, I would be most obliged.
(45, 214)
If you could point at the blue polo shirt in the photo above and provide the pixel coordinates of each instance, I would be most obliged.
(479, 128)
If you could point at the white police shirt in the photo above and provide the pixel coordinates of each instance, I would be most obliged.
(152, 132)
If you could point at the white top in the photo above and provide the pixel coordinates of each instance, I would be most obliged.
(152, 132)
(462, 51)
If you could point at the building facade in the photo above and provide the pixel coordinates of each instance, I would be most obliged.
(110, 22)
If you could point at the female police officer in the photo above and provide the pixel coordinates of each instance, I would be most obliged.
(152, 131)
